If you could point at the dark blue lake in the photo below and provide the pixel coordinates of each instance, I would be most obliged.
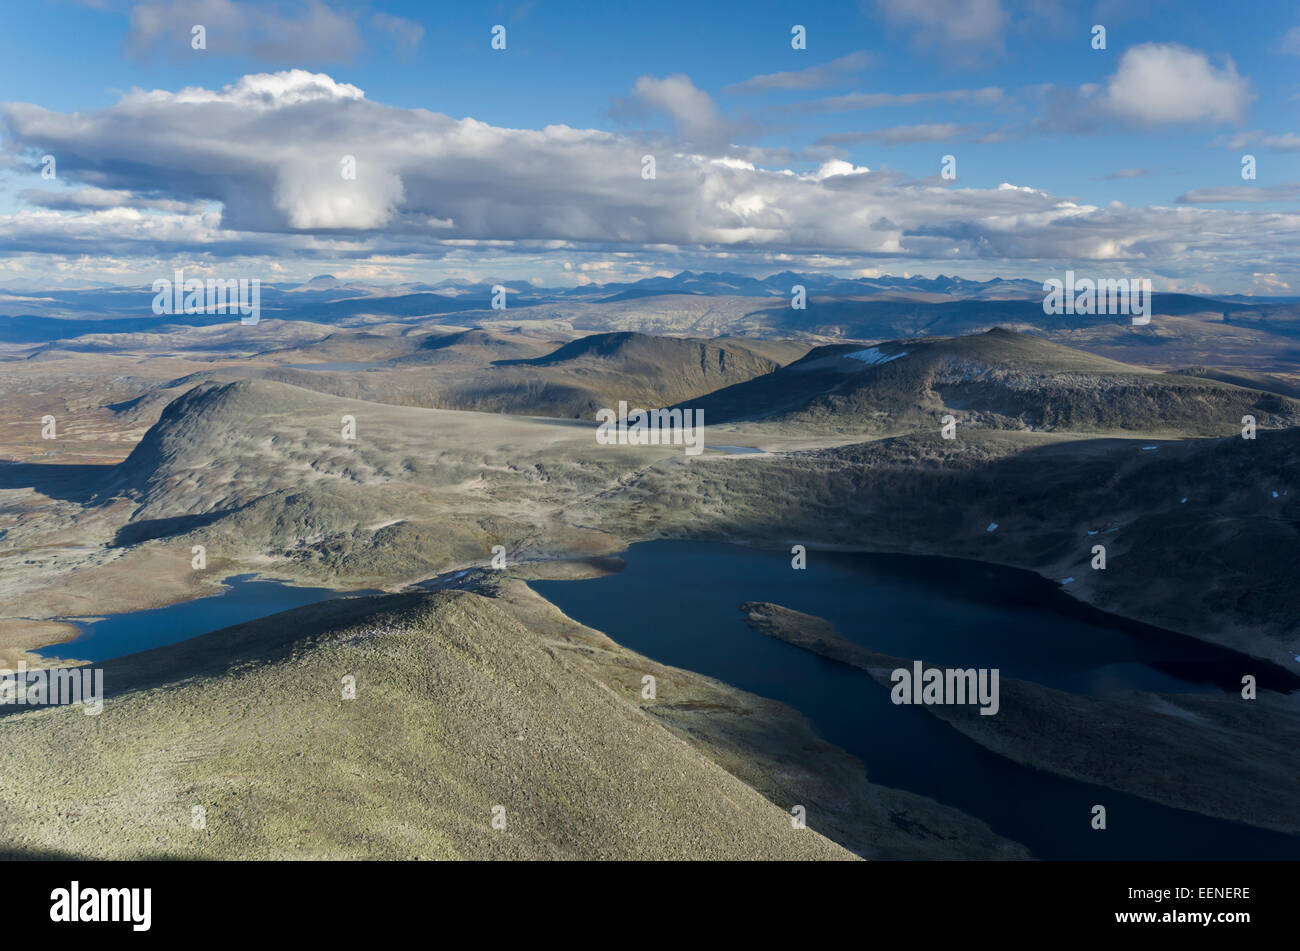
(677, 602)
(246, 599)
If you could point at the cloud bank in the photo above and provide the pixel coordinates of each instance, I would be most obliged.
(259, 167)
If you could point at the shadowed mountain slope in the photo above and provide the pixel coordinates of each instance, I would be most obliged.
(1202, 536)
(999, 380)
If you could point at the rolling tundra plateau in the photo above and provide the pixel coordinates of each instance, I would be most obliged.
(427, 474)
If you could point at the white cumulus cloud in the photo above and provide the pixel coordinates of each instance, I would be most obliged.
(1165, 82)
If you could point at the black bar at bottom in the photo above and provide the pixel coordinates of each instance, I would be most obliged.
(649, 901)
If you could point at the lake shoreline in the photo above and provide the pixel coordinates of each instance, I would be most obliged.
(20, 645)
(976, 774)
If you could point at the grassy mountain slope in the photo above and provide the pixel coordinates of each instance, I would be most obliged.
(462, 703)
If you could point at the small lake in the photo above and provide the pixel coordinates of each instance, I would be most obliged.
(340, 366)
(678, 603)
(246, 599)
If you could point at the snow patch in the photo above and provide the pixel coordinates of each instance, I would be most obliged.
(873, 357)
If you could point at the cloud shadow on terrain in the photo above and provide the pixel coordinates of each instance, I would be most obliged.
(69, 483)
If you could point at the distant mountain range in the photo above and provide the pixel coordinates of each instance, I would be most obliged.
(781, 285)
(877, 306)
(713, 283)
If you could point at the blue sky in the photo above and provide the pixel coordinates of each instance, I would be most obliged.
(1122, 160)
